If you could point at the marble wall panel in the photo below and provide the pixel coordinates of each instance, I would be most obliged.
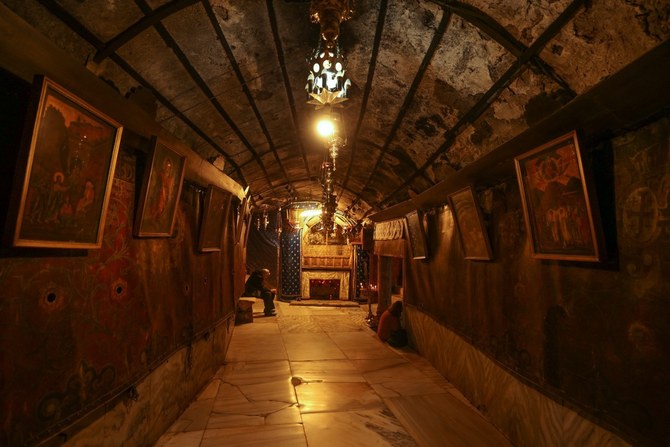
(526, 416)
(160, 397)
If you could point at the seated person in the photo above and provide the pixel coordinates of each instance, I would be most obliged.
(257, 287)
(389, 329)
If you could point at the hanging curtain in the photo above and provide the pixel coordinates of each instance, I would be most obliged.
(290, 263)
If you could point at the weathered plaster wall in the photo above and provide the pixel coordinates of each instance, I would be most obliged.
(595, 336)
(78, 328)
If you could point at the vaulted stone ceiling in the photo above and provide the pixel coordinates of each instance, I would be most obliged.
(435, 84)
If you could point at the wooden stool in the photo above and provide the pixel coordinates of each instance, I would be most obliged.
(245, 310)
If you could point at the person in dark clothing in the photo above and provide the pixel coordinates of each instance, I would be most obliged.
(256, 286)
(390, 329)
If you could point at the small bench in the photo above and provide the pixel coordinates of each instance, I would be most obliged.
(245, 310)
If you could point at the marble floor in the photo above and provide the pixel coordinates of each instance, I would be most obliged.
(319, 377)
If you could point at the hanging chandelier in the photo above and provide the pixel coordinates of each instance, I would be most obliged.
(327, 83)
(328, 87)
(263, 219)
(330, 14)
(328, 201)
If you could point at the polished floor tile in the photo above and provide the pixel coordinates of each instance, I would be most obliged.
(233, 400)
(403, 372)
(362, 345)
(341, 323)
(371, 365)
(254, 414)
(298, 324)
(319, 377)
(195, 417)
(256, 347)
(210, 391)
(269, 435)
(318, 346)
(394, 388)
(187, 439)
(442, 416)
(362, 428)
(245, 373)
(319, 397)
(278, 391)
(326, 371)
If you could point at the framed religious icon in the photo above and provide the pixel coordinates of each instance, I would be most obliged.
(161, 189)
(215, 216)
(557, 202)
(416, 235)
(470, 225)
(65, 172)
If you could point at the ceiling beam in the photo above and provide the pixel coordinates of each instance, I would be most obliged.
(202, 85)
(63, 15)
(497, 32)
(307, 180)
(140, 26)
(485, 23)
(245, 88)
(168, 105)
(623, 102)
(381, 20)
(25, 52)
(409, 97)
(287, 84)
(497, 88)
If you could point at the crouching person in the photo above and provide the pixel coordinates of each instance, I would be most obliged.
(389, 328)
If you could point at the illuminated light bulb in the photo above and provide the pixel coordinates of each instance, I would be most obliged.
(326, 128)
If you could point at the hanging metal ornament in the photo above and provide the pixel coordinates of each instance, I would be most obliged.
(330, 14)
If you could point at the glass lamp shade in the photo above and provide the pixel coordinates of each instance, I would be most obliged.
(327, 71)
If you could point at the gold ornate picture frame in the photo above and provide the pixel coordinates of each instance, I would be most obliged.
(215, 216)
(470, 224)
(65, 171)
(557, 202)
(416, 235)
(161, 190)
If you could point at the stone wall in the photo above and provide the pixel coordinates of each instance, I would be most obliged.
(594, 336)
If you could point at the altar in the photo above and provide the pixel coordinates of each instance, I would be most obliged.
(322, 275)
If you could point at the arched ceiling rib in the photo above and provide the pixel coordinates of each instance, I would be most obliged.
(140, 26)
(187, 65)
(245, 88)
(436, 84)
(379, 28)
(527, 55)
(285, 78)
(441, 29)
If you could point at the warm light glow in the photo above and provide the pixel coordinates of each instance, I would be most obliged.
(310, 213)
(325, 127)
